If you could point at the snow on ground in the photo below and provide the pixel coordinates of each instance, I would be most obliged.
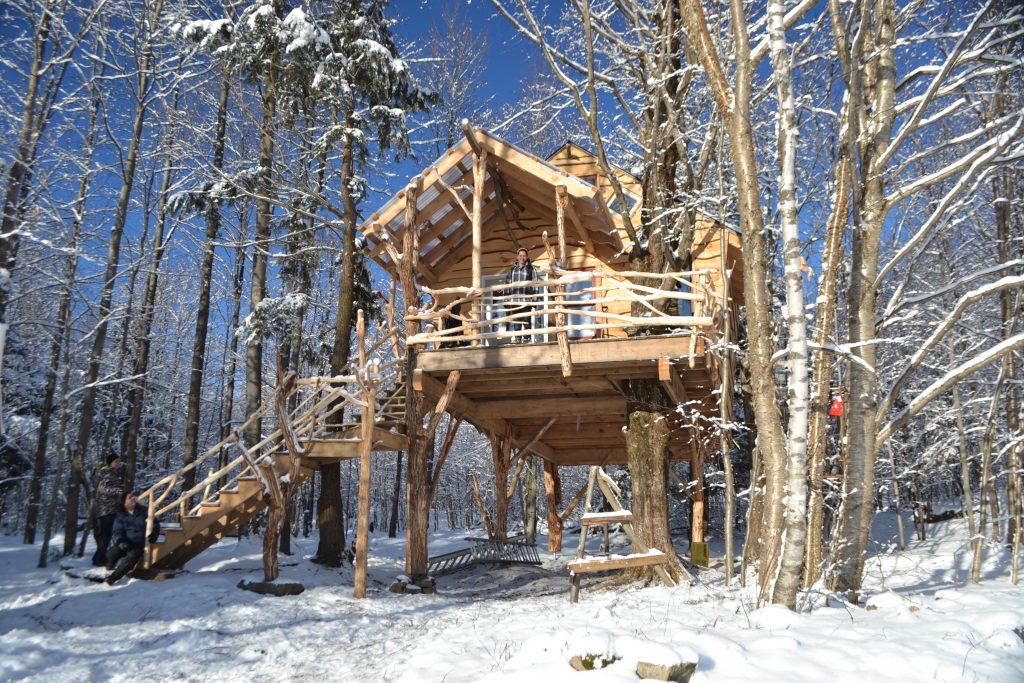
(921, 622)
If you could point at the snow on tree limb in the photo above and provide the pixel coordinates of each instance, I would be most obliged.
(1009, 282)
(940, 385)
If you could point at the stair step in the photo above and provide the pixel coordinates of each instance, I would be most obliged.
(602, 518)
(214, 520)
(602, 564)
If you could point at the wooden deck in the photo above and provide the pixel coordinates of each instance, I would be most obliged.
(523, 386)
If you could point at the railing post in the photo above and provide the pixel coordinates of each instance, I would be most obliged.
(150, 516)
(369, 383)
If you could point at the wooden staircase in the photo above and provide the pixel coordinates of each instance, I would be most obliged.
(392, 408)
(212, 520)
(229, 495)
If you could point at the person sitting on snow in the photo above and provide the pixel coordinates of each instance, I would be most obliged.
(128, 539)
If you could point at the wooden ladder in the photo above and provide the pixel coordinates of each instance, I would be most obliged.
(513, 550)
(642, 556)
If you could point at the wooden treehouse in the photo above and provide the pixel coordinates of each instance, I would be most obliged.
(541, 366)
(547, 369)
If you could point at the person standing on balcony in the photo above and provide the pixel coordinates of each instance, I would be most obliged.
(520, 299)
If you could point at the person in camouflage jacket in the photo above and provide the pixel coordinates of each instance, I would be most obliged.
(110, 492)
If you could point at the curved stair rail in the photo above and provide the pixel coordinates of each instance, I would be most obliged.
(231, 493)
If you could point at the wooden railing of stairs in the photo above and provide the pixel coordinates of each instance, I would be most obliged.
(228, 492)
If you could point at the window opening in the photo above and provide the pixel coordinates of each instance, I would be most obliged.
(577, 291)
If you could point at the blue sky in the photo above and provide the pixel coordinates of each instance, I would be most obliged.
(508, 59)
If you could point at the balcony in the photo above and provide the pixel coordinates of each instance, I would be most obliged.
(553, 356)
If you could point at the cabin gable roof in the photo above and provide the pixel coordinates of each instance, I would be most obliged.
(516, 183)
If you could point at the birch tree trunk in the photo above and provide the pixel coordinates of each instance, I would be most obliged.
(788, 582)
(873, 93)
(734, 103)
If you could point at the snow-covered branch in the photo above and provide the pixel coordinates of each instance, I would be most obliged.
(939, 386)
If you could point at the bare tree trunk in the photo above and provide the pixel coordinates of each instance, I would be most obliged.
(500, 447)
(849, 548)
(261, 243)
(142, 91)
(965, 471)
(62, 456)
(530, 499)
(989, 498)
(19, 172)
(62, 327)
(553, 490)
(190, 448)
(393, 521)
(821, 362)
(1003, 187)
(330, 517)
(647, 457)
(137, 394)
(735, 105)
(231, 345)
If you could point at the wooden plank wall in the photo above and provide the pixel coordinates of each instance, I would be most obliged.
(498, 249)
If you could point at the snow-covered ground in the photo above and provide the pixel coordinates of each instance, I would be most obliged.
(921, 622)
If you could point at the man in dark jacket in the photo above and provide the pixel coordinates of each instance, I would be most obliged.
(128, 539)
(520, 299)
(109, 499)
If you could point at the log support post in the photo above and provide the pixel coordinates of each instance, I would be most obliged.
(697, 480)
(479, 176)
(368, 381)
(418, 474)
(553, 490)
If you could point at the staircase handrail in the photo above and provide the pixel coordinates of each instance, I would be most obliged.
(158, 492)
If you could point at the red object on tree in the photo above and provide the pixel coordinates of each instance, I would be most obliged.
(837, 407)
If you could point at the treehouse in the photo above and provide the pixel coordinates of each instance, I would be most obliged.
(546, 362)
(540, 366)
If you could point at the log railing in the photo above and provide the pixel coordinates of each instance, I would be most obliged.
(513, 310)
(318, 413)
